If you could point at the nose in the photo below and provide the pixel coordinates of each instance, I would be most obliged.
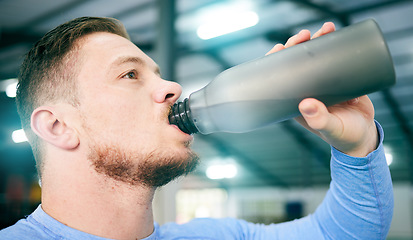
(167, 91)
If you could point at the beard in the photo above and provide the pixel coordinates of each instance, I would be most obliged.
(149, 168)
(154, 169)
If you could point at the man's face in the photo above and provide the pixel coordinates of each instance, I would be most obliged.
(124, 105)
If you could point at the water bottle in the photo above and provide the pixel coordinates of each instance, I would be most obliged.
(333, 68)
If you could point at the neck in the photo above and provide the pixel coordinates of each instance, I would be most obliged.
(95, 203)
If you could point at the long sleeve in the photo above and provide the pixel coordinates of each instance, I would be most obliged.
(358, 205)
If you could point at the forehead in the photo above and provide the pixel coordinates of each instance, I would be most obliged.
(104, 49)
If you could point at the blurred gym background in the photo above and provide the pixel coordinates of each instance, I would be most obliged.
(273, 174)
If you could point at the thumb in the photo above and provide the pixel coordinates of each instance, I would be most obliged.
(319, 119)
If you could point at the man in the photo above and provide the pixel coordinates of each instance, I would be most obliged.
(95, 110)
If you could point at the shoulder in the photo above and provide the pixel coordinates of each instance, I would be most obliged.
(230, 228)
(207, 228)
(23, 229)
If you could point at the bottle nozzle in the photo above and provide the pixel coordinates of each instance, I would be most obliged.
(180, 116)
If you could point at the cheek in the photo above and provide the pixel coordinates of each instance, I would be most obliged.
(119, 113)
(123, 123)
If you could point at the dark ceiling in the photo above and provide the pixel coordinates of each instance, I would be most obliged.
(280, 155)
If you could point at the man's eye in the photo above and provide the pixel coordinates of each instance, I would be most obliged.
(131, 75)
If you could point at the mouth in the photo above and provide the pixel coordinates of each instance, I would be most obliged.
(175, 125)
(168, 115)
(180, 115)
(169, 118)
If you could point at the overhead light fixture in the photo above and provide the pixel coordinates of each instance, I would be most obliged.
(227, 22)
(221, 171)
(19, 136)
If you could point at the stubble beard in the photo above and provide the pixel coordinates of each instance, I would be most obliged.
(153, 169)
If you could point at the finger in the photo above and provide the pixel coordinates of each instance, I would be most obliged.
(353, 101)
(317, 117)
(301, 120)
(302, 36)
(276, 48)
(327, 27)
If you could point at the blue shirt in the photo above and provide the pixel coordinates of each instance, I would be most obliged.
(358, 205)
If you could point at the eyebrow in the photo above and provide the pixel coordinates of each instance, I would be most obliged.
(122, 60)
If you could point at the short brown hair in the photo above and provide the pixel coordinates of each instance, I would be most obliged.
(48, 71)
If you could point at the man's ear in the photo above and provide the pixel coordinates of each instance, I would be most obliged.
(47, 123)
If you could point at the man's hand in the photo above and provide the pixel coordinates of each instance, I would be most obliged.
(348, 126)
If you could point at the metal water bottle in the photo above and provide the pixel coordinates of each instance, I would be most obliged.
(333, 68)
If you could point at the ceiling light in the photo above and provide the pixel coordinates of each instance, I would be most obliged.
(227, 22)
(221, 171)
(9, 86)
(19, 136)
(11, 90)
